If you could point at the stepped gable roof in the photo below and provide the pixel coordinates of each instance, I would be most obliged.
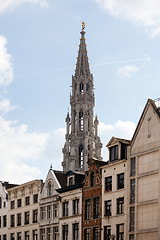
(62, 178)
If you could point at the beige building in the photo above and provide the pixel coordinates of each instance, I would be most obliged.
(144, 176)
(70, 216)
(114, 185)
(49, 205)
(23, 212)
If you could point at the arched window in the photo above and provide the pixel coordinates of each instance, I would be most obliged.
(75, 119)
(88, 152)
(81, 156)
(88, 122)
(0, 202)
(81, 88)
(87, 87)
(49, 188)
(81, 120)
(92, 178)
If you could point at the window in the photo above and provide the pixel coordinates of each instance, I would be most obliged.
(133, 167)
(131, 237)
(35, 235)
(12, 236)
(81, 88)
(26, 218)
(108, 208)
(87, 209)
(35, 216)
(19, 236)
(96, 207)
(132, 190)
(96, 235)
(123, 151)
(12, 204)
(0, 222)
(5, 221)
(19, 203)
(43, 212)
(70, 181)
(42, 234)
(120, 232)
(48, 233)
(81, 120)
(75, 231)
(55, 210)
(65, 232)
(4, 237)
(75, 206)
(0, 202)
(107, 232)
(55, 233)
(49, 188)
(26, 234)
(35, 198)
(92, 179)
(87, 87)
(108, 184)
(4, 204)
(87, 234)
(49, 212)
(120, 205)
(120, 181)
(114, 153)
(27, 200)
(131, 220)
(65, 208)
(80, 156)
(19, 219)
(12, 221)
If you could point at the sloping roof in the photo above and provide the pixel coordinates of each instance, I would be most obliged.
(62, 178)
(151, 103)
(9, 185)
(128, 142)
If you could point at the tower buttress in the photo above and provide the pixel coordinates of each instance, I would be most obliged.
(82, 141)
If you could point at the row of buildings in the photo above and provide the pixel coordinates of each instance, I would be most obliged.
(91, 199)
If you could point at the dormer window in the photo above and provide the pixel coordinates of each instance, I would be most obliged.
(114, 153)
(92, 177)
(70, 181)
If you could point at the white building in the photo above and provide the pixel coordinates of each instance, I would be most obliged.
(70, 218)
(23, 212)
(49, 205)
(114, 186)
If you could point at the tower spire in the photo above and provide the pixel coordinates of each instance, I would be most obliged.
(82, 66)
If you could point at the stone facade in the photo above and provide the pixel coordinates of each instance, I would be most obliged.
(23, 212)
(82, 141)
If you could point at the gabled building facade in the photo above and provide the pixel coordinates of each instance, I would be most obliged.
(144, 176)
(82, 140)
(92, 201)
(50, 204)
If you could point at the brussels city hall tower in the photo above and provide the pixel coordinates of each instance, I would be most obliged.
(81, 140)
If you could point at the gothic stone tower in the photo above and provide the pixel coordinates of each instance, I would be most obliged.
(82, 141)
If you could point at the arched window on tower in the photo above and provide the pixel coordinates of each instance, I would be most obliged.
(88, 122)
(81, 156)
(75, 119)
(87, 87)
(81, 120)
(81, 88)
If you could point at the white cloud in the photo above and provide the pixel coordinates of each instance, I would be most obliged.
(126, 71)
(5, 106)
(120, 129)
(143, 12)
(6, 68)
(18, 146)
(12, 4)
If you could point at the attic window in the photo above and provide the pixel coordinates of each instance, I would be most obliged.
(114, 153)
(49, 188)
(70, 182)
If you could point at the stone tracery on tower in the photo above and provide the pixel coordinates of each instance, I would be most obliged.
(81, 139)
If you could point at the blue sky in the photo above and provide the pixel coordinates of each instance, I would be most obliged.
(39, 41)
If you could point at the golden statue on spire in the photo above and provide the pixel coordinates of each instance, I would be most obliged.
(83, 25)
